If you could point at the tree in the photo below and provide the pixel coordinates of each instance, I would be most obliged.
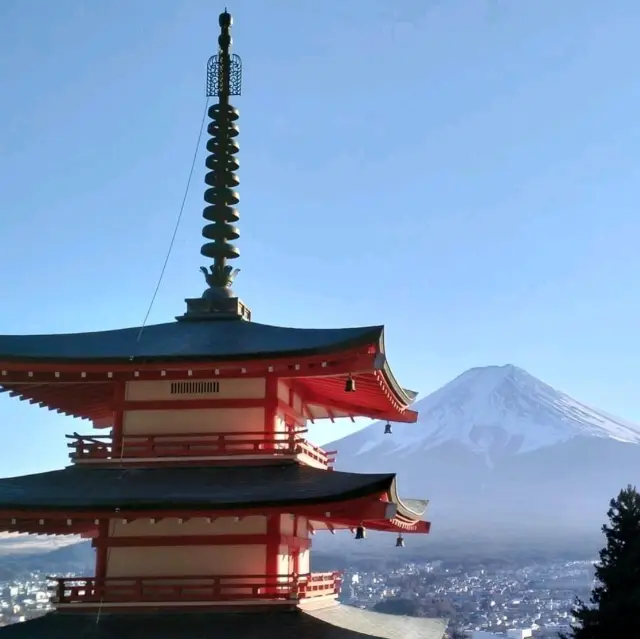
(613, 611)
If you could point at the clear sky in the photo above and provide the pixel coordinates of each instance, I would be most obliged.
(463, 171)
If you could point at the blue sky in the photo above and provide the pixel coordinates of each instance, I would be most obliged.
(465, 172)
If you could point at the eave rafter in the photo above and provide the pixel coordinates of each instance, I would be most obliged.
(84, 522)
(342, 363)
(371, 398)
(383, 525)
(86, 390)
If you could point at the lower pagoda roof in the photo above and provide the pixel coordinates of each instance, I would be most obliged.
(335, 622)
(188, 488)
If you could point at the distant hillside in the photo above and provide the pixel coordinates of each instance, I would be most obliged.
(76, 558)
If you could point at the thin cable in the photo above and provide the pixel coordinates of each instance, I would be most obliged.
(177, 226)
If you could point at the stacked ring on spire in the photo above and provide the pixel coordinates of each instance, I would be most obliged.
(221, 178)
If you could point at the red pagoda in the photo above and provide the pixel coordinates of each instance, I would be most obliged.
(202, 499)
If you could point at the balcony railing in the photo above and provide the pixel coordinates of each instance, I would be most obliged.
(141, 590)
(86, 448)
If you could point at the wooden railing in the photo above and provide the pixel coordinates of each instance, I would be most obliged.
(100, 447)
(88, 590)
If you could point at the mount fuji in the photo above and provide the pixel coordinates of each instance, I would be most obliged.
(502, 455)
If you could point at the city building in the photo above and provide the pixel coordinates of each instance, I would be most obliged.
(203, 497)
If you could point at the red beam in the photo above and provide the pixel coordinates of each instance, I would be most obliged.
(363, 508)
(270, 404)
(353, 361)
(120, 391)
(102, 553)
(193, 540)
(272, 552)
(368, 506)
(186, 404)
(178, 540)
(290, 412)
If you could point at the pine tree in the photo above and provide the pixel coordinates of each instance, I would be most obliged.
(614, 609)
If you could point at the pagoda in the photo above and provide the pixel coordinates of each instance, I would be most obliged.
(202, 497)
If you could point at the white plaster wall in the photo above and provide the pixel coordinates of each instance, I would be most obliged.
(171, 527)
(251, 388)
(304, 562)
(206, 420)
(283, 391)
(303, 528)
(186, 561)
(285, 562)
(287, 525)
(280, 424)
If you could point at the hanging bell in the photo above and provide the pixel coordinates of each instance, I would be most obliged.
(350, 385)
(361, 533)
(400, 542)
(387, 429)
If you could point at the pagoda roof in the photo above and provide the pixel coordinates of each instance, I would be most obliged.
(190, 341)
(74, 373)
(334, 622)
(207, 488)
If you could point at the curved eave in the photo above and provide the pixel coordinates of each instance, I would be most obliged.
(404, 396)
(408, 510)
(225, 341)
(395, 525)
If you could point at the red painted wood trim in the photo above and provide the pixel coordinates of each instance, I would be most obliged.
(369, 507)
(191, 540)
(294, 548)
(273, 545)
(180, 540)
(270, 409)
(120, 390)
(359, 360)
(190, 404)
(102, 552)
(290, 415)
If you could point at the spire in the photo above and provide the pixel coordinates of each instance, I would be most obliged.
(224, 79)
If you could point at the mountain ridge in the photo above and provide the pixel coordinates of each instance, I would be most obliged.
(501, 454)
(494, 410)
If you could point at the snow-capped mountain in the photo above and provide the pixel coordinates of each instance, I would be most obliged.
(494, 410)
(498, 452)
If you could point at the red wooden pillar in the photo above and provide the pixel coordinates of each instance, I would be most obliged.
(117, 434)
(102, 551)
(272, 549)
(270, 410)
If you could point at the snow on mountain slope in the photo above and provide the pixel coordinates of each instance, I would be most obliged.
(492, 410)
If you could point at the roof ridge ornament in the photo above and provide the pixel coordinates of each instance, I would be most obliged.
(224, 79)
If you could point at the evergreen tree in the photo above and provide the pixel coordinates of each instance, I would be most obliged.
(614, 609)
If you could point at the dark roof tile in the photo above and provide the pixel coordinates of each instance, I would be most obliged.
(82, 488)
(220, 339)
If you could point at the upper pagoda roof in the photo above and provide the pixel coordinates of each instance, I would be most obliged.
(73, 373)
(334, 622)
(188, 341)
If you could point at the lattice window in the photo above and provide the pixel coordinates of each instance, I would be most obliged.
(194, 388)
